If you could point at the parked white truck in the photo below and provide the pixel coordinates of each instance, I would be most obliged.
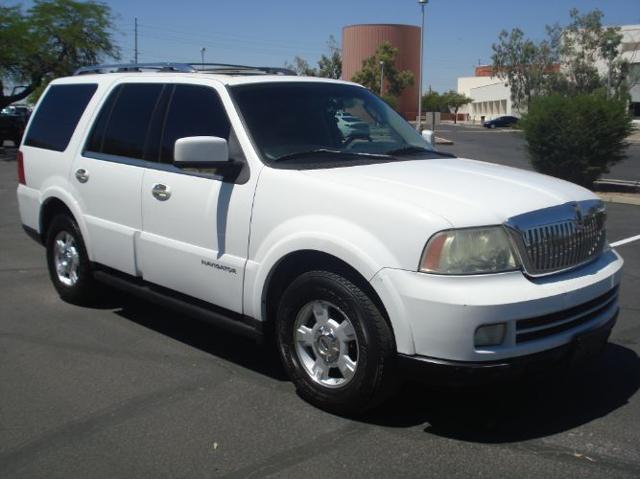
(236, 195)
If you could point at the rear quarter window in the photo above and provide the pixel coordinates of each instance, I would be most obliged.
(57, 116)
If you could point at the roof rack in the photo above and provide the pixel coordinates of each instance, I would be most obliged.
(196, 67)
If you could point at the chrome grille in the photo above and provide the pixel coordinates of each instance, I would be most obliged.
(561, 237)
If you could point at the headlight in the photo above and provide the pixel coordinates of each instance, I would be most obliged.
(469, 251)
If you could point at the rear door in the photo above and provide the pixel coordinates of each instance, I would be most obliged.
(108, 172)
(195, 237)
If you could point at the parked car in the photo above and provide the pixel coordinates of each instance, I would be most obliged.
(501, 122)
(11, 128)
(19, 110)
(228, 193)
(351, 126)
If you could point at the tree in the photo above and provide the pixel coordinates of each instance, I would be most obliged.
(524, 64)
(583, 43)
(52, 39)
(564, 62)
(454, 101)
(370, 74)
(301, 67)
(578, 137)
(331, 66)
(432, 101)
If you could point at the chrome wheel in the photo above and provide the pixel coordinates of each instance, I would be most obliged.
(66, 258)
(326, 344)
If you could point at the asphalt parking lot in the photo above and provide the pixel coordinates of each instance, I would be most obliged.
(507, 147)
(128, 389)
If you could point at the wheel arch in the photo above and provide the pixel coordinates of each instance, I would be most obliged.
(297, 262)
(56, 202)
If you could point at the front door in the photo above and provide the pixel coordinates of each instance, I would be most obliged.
(195, 225)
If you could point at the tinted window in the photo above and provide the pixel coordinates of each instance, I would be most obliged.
(194, 111)
(58, 115)
(122, 126)
(97, 133)
(290, 118)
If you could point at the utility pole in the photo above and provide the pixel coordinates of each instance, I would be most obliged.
(381, 77)
(419, 125)
(202, 50)
(135, 37)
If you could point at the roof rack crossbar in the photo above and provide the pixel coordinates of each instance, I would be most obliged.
(183, 68)
(135, 67)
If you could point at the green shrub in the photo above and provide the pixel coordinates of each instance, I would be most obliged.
(576, 138)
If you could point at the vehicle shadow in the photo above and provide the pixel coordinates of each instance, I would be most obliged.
(8, 153)
(507, 411)
(245, 352)
(521, 409)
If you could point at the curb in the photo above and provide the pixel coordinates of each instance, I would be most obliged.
(623, 198)
(616, 186)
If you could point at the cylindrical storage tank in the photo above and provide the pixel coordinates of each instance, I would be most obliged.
(360, 42)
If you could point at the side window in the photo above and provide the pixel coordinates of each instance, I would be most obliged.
(194, 111)
(123, 123)
(58, 115)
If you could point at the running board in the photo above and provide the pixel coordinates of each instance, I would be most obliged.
(197, 309)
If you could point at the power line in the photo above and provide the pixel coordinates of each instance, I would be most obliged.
(225, 43)
(230, 36)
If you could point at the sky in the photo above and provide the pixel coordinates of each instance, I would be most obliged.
(458, 33)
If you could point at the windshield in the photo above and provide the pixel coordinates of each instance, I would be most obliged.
(289, 119)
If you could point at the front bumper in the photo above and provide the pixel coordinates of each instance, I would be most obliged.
(437, 316)
(582, 348)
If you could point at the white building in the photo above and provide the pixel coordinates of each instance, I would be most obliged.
(630, 50)
(492, 96)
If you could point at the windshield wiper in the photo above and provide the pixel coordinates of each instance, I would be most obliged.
(408, 150)
(327, 151)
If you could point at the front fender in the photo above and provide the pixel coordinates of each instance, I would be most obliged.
(333, 236)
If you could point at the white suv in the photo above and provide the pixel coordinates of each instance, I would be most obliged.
(231, 194)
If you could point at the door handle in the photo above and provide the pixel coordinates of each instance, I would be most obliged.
(82, 175)
(161, 192)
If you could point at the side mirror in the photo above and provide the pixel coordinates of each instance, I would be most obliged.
(201, 152)
(428, 137)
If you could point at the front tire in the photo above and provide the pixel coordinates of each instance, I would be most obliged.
(337, 347)
(68, 262)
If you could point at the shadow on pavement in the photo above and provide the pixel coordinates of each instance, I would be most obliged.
(521, 409)
(508, 411)
(200, 335)
(8, 153)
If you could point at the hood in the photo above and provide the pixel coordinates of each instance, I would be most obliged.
(464, 192)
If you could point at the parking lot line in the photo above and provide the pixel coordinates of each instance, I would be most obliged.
(625, 241)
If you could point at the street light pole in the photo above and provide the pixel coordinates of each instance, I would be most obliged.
(419, 125)
(202, 50)
(381, 77)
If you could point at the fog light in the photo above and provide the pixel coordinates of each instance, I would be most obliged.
(490, 334)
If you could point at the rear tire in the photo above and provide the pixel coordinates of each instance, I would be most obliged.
(335, 344)
(68, 262)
